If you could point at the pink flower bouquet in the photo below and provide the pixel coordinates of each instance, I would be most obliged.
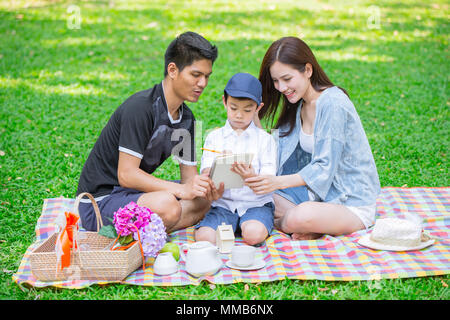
(134, 222)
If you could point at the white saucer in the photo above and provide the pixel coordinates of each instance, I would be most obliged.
(258, 264)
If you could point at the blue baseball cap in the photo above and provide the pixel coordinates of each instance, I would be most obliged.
(244, 85)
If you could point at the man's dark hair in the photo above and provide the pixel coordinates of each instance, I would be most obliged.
(187, 48)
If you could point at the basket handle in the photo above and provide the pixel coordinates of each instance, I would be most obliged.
(94, 204)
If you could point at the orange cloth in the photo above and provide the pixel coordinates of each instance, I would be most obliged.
(66, 239)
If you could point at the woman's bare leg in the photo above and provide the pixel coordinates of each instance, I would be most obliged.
(282, 205)
(310, 219)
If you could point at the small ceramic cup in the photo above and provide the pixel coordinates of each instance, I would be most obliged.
(243, 256)
(165, 264)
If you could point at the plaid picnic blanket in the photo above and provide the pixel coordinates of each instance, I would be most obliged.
(328, 258)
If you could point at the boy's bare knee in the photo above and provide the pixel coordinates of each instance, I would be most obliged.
(205, 234)
(253, 232)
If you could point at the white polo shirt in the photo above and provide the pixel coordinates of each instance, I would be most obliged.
(252, 140)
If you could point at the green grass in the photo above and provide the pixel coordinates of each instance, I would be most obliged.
(59, 86)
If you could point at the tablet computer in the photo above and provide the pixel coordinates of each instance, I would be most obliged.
(221, 170)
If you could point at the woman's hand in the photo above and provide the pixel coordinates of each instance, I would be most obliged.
(262, 184)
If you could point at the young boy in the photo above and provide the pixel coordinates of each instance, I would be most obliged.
(241, 207)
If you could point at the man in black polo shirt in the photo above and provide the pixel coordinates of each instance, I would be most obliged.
(142, 133)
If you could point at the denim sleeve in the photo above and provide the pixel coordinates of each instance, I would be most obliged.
(329, 141)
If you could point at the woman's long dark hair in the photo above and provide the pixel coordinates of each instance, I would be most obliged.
(296, 53)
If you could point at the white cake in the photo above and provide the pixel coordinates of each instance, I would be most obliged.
(399, 232)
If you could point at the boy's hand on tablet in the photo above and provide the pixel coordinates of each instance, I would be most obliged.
(244, 170)
(215, 193)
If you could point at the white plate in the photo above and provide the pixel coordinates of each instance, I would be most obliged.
(258, 264)
(366, 242)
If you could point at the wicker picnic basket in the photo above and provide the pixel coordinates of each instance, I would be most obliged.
(94, 259)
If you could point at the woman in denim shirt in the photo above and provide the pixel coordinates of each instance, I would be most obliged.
(327, 181)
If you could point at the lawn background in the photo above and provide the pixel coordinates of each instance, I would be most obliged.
(60, 85)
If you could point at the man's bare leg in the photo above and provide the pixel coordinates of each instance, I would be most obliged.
(164, 204)
(176, 214)
(192, 211)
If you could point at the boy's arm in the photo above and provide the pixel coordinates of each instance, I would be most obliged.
(268, 156)
(267, 181)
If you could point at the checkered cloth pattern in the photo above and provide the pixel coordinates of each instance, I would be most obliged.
(328, 258)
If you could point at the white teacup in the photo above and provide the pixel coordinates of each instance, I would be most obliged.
(165, 264)
(243, 256)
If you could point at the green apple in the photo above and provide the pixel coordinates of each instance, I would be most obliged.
(173, 248)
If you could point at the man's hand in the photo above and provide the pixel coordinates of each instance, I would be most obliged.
(215, 193)
(201, 186)
(244, 170)
(197, 186)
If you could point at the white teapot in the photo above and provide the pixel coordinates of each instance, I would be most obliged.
(202, 258)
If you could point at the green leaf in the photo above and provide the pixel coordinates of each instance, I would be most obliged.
(126, 240)
(108, 231)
